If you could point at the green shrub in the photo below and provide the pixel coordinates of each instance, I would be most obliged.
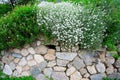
(18, 27)
(72, 24)
(109, 79)
(4, 9)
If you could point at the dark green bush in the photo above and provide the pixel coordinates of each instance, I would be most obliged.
(19, 27)
(109, 79)
(4, 9)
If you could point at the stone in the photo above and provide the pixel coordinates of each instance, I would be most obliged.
(48, 71)
(49, 57)
(86, 75)
(24, 52)
(91, 69)
(110, 70)
(22, 62)
(40, 77)
(38, 58)
(16, 60)
(7, 70)
(29, 57)
(62, 62)
(31, 63)
(78, 63)
(75, 49)
(114, 76)
(25, 73)
(97, 77)
(57, 68)
(15, 73)
(100, 67)
(5, 59)
(11, 58)
(83, 71)
(59, 76)
(87, 57)
(70, 71)
(51, 51)
(12, 65)
(76, 76)
(38, 43)
(42, 65)
(26, 68)
(41, 50)
(34, 71)
(66, 55)
(16, 51)
(110, 60)
(84, 79)
(15, 55)
(57, 48)
(117, 64)
(19, 69)
(51, 64)
(31, 50)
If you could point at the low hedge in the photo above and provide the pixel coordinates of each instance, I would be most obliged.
(18, 27)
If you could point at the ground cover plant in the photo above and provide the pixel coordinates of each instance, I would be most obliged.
(72, 23)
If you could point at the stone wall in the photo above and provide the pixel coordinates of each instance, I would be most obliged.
(40, 61)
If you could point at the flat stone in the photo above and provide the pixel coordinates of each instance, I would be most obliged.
(38, 58)
(86, 75)
(83, 71)
(5, 59)
(57, 48)
(114, 75)
(76, 76)
(62, 62)
(87, 57)
(31, 63)
(100, 67)
(48, 71)
(24, 52)
(117, 64)
(22, 62)
(16, 55)
(29, 57)
(70, 71)
(84, 79)
(31, 50)
(16, 60)
(66, 55)
(57, 68)
(26, 68)
(41, 50)
(11, 57)
(110, 60)
(51, 64)
(51, 51)
(97, 77)
(19, 69)
(78, 63)
(110, 70)
(25, 73)
(91, 69)
(49, 56)
(16, 50)
(7, 70)
(34, 71)
(40, 77)
(59, 76)
(42, 65)
(15, 73)
(12, 65)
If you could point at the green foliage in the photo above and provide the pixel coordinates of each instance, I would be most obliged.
(18, 27)
(4, 9)
(116, 56)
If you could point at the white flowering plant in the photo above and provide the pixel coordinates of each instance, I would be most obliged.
(72, 24)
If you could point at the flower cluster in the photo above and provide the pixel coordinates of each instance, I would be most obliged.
(72, 23)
